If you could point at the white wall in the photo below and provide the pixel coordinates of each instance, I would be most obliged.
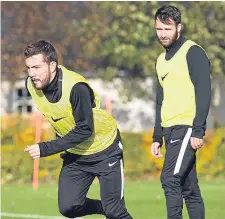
(133, 115)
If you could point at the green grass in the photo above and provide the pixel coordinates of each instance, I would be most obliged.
(144, 200)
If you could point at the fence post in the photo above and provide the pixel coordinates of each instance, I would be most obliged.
(38, 128)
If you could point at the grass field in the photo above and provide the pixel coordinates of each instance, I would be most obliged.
(144, 200)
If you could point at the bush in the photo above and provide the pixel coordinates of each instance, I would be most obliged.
(136, 162)
(17, 166)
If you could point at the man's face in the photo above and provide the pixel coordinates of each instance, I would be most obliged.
(167, 33)
(39, 71)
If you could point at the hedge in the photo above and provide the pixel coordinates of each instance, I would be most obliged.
(18, 132)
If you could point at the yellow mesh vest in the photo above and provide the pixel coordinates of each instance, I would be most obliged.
(105, 127)
(178, 107)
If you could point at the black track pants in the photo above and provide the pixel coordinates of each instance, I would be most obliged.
(179, 177)
(75, 180)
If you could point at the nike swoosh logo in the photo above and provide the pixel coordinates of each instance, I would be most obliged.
(172, 141)
(164, 76)
(57, 119)
(111, 164)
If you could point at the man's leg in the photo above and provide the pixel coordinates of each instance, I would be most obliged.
(111, 178)
(73, 187)
(192, 196)
(177, 162)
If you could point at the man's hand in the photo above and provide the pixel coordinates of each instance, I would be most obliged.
(196, 143)
(33, 150)
(155, 150)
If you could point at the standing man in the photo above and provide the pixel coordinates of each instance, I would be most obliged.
(182, 106)
(87, 136)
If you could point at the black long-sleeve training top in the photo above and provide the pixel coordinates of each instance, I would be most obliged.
(199, 70)
(82, 102)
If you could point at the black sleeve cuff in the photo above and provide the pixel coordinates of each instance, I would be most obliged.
(47, 150)
(158, 138)
(42, 151)
(198, 132)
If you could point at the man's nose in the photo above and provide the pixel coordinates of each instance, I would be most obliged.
(163, 34)
(31, 72)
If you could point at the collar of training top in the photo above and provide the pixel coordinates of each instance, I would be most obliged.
(177, 43)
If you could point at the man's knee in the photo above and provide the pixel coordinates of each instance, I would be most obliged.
(191, 193)
(70, 211)
(192, 196)
(170, 182)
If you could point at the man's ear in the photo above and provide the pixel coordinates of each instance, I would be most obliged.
(53, 66)
(179, 28)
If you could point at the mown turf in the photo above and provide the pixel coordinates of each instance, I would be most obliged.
(144, 200)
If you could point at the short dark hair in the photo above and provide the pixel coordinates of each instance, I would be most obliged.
(42, 47)
(167, 12)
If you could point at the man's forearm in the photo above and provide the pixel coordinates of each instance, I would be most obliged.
(73, 138)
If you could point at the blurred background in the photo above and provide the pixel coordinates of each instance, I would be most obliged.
(112, 44)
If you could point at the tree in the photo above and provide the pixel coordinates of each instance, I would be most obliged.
(27, 22)
(205, 27)
(121, 35)
(106, 37)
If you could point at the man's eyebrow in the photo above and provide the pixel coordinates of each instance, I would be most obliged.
(33, 66)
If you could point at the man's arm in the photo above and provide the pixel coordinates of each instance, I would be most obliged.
(199, 70)
(157, 135)
(80, 99)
